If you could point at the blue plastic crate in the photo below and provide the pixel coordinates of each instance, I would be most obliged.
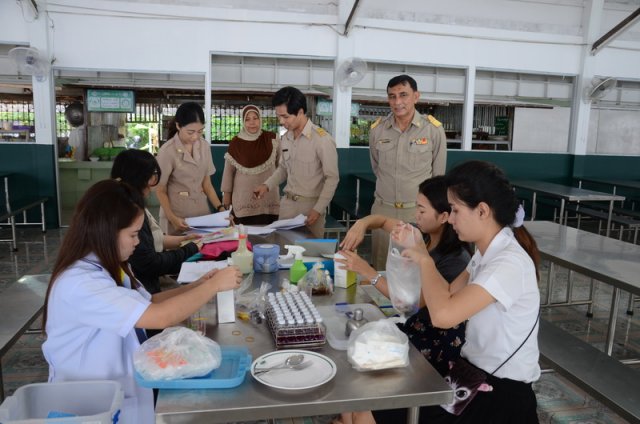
(236, 361)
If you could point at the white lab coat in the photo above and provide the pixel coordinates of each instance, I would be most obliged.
(91, 334)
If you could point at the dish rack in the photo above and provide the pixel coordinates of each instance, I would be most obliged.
(294, 321)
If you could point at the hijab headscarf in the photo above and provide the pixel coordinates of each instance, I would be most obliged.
(244, 134)
(251, 150)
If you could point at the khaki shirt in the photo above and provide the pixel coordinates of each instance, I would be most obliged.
(309, 164)
(402, 160)
(182, 174)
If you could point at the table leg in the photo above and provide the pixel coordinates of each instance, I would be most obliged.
(534, 206)
(609, 218)
(613, 317)
(562, 213)
(592, 298)
(413, 415)
(1, 384)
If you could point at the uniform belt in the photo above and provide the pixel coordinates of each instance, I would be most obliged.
(296, 197)
(399, 205)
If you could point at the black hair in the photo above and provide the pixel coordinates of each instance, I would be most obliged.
(435, 190)
(403, 79)
(188, 113)
(136, 167)
(104, 210)
(477, 181)
(292, 98)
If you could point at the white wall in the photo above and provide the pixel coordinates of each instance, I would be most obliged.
(522, 36)
(541, 130)
(616, 132)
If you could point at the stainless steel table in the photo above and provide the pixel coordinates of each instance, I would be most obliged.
(567, 194)
(611, 261)
(350, 390)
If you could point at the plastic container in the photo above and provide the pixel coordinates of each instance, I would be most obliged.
(335, 319)
(243, 257)
(265, 257)
(236, 361)
(73, 402)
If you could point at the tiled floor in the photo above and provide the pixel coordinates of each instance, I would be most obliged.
(559, 401)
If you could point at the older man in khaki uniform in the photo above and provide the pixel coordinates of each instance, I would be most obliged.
(309, 163)
(405, 148)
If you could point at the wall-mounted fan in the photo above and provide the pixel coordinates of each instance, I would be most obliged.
(351, 72)
(599, 88)
(30, 62)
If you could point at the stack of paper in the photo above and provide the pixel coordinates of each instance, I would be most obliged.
(191, 271)
(209, 222)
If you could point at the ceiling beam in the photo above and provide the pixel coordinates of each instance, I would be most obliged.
(349, 23)
(615, 32)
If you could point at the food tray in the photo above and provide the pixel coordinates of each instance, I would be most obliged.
(236, 361)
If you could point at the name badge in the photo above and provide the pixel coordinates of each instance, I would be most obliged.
(183, 193)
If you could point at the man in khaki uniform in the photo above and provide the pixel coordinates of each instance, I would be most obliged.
(309, 163)
(406, 148)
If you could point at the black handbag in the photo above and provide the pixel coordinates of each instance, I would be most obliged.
(467, 380)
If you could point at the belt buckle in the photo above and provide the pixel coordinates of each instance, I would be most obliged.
(295, 197)
(398, 205)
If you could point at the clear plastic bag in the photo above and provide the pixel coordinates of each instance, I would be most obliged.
(403, 275)
(378, 345)
(177, 353)
(316, 281)
(252, 304)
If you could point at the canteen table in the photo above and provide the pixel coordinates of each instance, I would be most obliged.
(567, 194)
(608, 260)
(350, 390)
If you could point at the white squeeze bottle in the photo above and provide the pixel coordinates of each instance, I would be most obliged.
(242, 257)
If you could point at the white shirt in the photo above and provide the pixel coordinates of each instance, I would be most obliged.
(507, 272)
(91, 335)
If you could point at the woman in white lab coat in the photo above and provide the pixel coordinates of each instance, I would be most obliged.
(95, 307)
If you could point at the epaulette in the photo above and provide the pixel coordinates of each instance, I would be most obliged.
(434, 121)
(376, 122)
(321, 132)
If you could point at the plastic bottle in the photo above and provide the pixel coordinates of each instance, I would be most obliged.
(242, 257)
(298, 269)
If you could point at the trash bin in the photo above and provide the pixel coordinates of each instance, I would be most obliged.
(71, 402)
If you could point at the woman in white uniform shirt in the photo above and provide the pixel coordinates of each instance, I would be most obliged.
(497, 293)
(94, 304)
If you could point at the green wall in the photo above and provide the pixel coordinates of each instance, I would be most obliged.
(33, 167)
(32, 174)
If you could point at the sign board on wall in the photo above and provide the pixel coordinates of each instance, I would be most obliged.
(111, 101)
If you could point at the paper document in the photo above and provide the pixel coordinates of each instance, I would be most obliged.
(258, 231)
(287, 224)
(219, 219)
(191, 271)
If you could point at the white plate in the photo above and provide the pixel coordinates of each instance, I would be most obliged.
(321, 370)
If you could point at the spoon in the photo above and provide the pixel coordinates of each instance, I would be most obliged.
(295, 362)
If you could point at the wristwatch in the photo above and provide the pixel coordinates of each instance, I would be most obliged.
(375, 279)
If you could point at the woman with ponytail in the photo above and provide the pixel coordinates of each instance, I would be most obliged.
(497, 293)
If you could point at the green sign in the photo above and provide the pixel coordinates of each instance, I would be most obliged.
(111, 101)
(502, 125)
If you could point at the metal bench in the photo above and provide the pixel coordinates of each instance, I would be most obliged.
(12, 208)
(603, 377)
(333, 228)
(21, 303)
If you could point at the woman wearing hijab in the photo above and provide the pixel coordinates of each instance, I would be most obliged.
(252, 157)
